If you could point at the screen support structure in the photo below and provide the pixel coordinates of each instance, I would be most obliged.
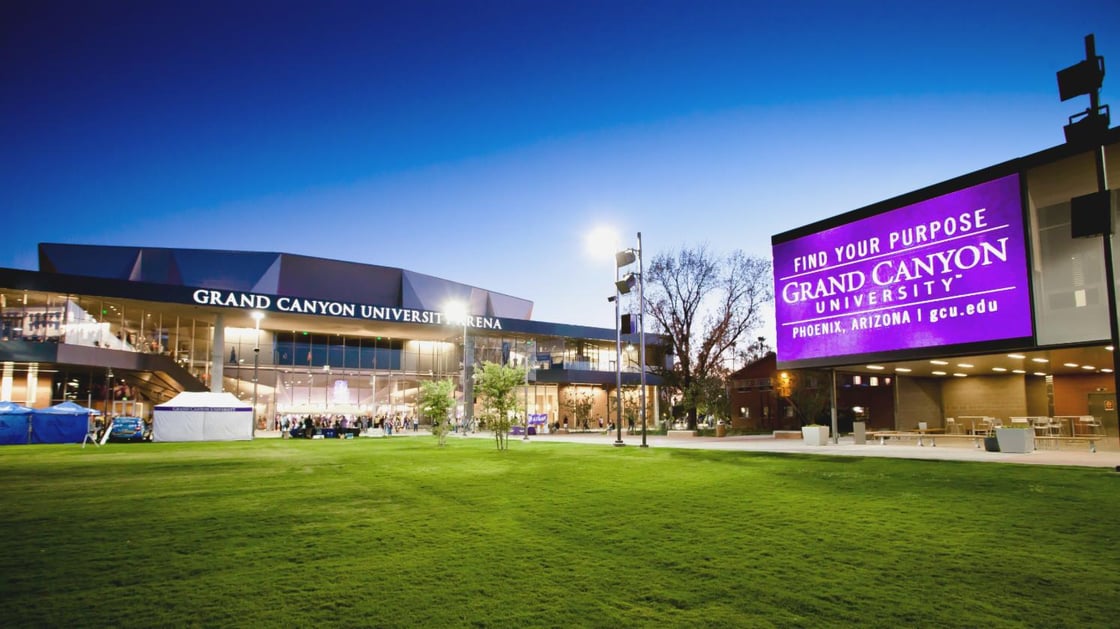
(835, 420)
(1110, 274)
(1085, 78)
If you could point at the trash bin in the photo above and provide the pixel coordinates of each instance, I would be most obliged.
(859, 433)
(721, 429)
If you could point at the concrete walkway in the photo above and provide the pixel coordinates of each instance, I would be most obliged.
(1107, 455)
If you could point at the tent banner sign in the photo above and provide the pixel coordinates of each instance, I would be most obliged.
(946, 271)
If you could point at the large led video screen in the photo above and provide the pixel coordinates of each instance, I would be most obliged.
(950, 270)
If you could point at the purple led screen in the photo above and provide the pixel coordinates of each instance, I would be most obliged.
(945, 271)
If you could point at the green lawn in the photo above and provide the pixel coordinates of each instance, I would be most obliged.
(400, 533)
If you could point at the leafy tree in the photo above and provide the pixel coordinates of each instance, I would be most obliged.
(710, 396)
(705, 304)
(579, 405)
(437, 398)
(496, 385)
(631, 407)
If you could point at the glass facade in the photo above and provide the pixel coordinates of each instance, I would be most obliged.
(312, 371)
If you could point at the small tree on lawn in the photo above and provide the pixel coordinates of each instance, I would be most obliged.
(496, 385)
(436, 401)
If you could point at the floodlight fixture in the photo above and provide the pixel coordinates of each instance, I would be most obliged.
(626, 284)
(1088, 126)
(625, 257)
(1084, 77)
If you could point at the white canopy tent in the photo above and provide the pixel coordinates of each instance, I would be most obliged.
(203, 417)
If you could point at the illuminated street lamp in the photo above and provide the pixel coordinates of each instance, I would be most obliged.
(257, 316)
(109, 402)
(617, 362)
(458, 311)
(623, 258)
(528, 349)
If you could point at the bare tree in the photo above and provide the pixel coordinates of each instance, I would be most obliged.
(705, 304)
(755, 351)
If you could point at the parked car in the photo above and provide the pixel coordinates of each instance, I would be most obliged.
(129, 429)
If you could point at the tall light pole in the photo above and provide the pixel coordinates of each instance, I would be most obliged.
(108, 394)
(528, 348)
(458, 310)
(617, 360)
(623, 258)
(257, 316)
(642, 338)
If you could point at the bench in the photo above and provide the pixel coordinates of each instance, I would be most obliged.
(1058, 440)
(921, 436)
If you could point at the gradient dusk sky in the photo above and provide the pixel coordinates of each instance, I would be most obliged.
(481, 141)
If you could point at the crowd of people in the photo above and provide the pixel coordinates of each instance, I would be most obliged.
(307, 426)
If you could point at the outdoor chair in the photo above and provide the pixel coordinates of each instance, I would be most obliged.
(1047, 426)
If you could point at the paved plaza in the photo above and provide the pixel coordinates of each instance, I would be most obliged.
(1107, 454)
(1076, 454)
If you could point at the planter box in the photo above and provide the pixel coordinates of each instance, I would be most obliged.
(815, 435)
(1017, 440)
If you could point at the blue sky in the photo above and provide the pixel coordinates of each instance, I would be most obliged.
(482, 141)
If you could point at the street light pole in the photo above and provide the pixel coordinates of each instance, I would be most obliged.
(108, 392)
(528, 348)
(457, 309)
(642, 337)
(257, 316)
(617, 360)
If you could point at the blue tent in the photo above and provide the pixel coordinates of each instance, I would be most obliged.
(62, 423)
(13, 423)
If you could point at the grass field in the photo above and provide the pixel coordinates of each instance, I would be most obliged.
(400, 533)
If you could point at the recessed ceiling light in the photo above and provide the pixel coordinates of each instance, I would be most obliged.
(1040, 360)
(1090, 367)
(938, 373)
(875, 367)
(1016, 356)
(1072, 365)
(1106, 370)
(1109, 347)
(998, 369)
(964, 365)
(938, 362)
(902, 370)
(961, 375)
(1039, 373)
(1017, 371)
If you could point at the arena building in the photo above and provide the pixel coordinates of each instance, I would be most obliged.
(125, 328)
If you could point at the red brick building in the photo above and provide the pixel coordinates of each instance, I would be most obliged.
(758, 397)
(753, 394)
